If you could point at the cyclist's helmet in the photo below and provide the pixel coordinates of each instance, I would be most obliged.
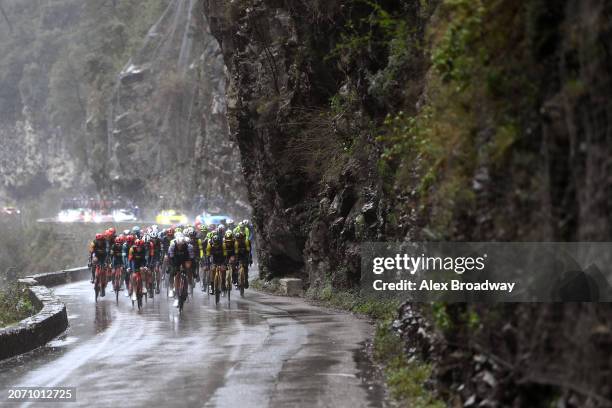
(130, 239)
(229, 234)
(126, 232)
(178, 230)
(230, 223)
(221, 230)
(99, 237)
(216, 240)
(136, 231)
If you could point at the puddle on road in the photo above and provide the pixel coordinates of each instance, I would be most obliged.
(63, 342)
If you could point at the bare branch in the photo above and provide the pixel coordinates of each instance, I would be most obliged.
(10, 25)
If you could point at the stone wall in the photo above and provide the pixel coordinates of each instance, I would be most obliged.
(48, 323)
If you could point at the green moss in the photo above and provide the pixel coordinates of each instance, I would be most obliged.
(15, 305)
(440, 316)
(406, 378)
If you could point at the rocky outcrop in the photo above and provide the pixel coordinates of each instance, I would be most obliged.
(168, 133)
(313, 202)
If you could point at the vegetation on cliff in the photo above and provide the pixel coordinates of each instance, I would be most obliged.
(432, 120)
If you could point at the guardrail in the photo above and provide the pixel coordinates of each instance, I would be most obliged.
(49, 322)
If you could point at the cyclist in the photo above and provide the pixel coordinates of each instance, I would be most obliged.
(166, 240)
(125, 251)
(204, 239)
(137, 258)
(215, 251)
(136, 231)
(198, 251)
(97, 253)
(242, 248)
(221, 232)
(110, 236)
(180, 253)
(228, 248)
(116, 253)
(149, 253)
(157, 254)
(243, 226)
(211, 231)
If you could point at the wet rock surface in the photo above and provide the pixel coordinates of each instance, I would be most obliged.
(308, 224)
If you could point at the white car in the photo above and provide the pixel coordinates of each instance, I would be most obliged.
(123, 215)
(70, 215)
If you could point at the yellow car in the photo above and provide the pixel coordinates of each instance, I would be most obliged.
(167, 217)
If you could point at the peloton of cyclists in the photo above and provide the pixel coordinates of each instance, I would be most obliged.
(207, 246)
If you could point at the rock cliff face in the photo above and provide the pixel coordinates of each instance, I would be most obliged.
(432, 120)
(118, 98)
(313, 203)
(168, 131)
(32, 160)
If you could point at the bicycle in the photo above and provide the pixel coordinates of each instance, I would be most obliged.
(148, 279)
(136, 288)
(191, 280)
(118, 275)
(217, 282)
(109, 270)
(156, 276)
(181, 282)
(100, 280)
(241, 278)
(205, 277)
(228, 283)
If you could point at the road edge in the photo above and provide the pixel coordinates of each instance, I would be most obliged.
(51, 320)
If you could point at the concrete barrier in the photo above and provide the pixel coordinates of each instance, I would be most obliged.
(291, 287)
(49, 322)
(61, 277)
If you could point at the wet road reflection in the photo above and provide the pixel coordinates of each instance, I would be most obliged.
(253, 352)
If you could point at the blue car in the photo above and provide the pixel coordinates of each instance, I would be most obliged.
(212, 219)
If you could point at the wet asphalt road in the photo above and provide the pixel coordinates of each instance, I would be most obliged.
(258, 351)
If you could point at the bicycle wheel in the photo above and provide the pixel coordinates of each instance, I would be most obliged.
(97, 283)
(217, 286)
(241, 280)
(182, 294)
(228, 284)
